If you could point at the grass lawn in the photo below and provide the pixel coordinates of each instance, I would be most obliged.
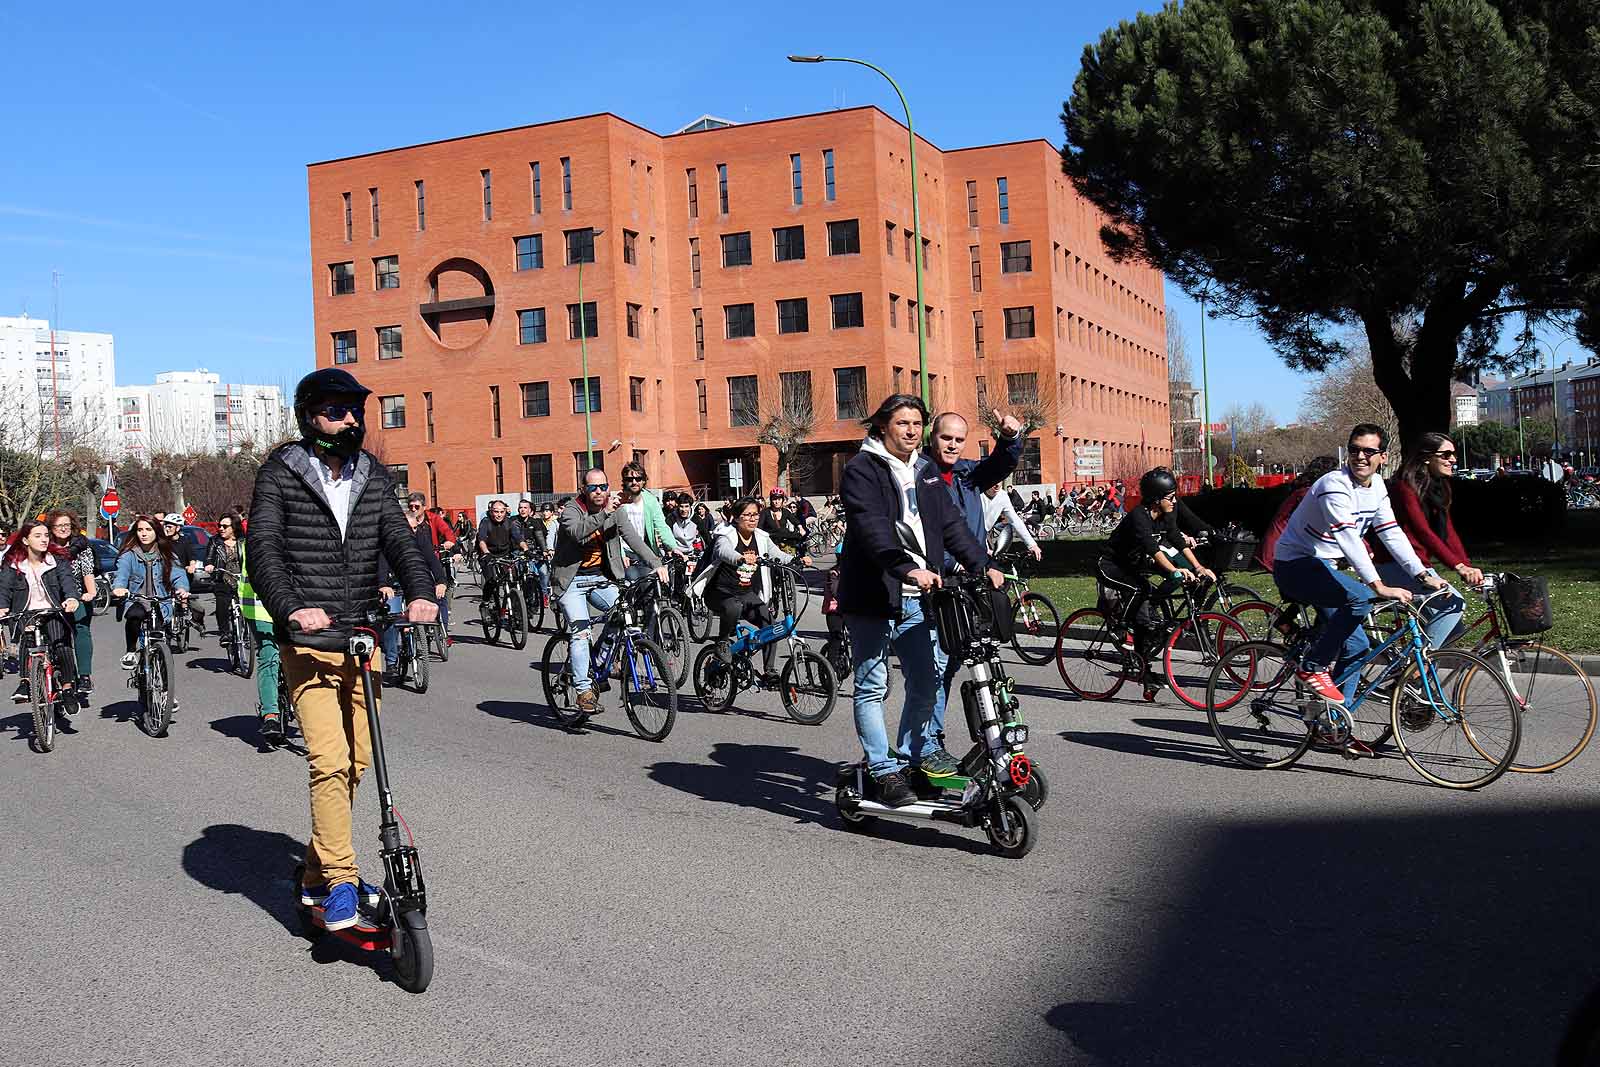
(1569, 558)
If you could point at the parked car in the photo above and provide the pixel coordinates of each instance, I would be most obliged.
(105, 565)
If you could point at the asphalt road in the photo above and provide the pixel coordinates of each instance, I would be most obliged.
(597, 899)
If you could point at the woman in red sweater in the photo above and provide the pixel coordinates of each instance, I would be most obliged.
(1421, 499)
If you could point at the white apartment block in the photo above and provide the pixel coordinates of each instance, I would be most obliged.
(55, 392)
(196, 411)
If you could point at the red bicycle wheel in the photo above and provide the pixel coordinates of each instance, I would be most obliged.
(1194, 649)
(1089, 657)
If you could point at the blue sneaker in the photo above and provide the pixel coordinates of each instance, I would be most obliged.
(313, 896)
(339, 907)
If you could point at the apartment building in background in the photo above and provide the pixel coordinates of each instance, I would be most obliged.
(195, 411)
(55, 392)
(729, 273)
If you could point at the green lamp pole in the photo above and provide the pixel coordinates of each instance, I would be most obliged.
(1205, 391)
(916, 213)
(583, 347)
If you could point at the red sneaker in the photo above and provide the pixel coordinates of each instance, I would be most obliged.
(1322, 684)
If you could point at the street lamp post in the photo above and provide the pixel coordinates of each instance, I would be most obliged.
(583, 348)
(1555, 396)
(916, 211)
(1205, 391)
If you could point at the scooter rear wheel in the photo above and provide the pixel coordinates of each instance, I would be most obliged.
(412, 949)
(1014, 830)
(1037, 791)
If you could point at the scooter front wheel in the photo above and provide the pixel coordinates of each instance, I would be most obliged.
(844, 798)
(412, 949)
(1014, 828)
(1037, 791)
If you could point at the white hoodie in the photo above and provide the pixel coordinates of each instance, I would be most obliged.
(909, 528)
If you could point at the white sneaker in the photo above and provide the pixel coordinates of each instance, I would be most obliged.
(130, 660)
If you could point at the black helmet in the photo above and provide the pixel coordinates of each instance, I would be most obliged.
(319, 385)
(1156, 484)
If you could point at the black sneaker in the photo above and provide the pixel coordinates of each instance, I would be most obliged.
(23, 694)
(939, 764)
(893, 791)
(85, 686)
(272, 726)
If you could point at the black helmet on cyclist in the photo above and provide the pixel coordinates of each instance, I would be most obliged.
(1156, 484)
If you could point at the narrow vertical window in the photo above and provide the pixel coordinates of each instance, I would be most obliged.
(694, 261)
(894, 310)
(422, 206)
(427, 411)
(796, 180)
(499, 475)
(972, 204)
(977, 268)
(566, 183)
(347, 220)
(1004, 199)
(722, 188)
(699, 335)
(977, 334)
(700, 400)
(694, 195)
(372, 195)
(888, 237)
(538, 191)
(494, 411)
(827, 173)
(488, 195)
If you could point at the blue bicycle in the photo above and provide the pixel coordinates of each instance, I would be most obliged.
(1451, 714)
(622, 651)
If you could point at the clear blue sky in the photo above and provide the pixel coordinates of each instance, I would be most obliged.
(159, 162)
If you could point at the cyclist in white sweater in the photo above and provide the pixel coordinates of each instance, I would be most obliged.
(997, 505)
(1342, 507)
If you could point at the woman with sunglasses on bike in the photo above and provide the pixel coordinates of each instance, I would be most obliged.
(1421, 497)
(147, 565)
(35, 575)
(222, 567)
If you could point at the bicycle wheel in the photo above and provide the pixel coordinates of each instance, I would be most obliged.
(1558, 704)
(1091, 662)
(156, 694)
(1256, 707)
(559, 694)
(699, 619)
(418, 658)
(1456, 721)
(1193, 649)
(714, 681)
(1238, 592)
(1035, 625)
(515, 615)
(1256, 617)
(533, 601)
(489, 614)
(44, 712)
(808, 688)
(649, 694)
(670, 630)
(1046, 533)
(102, 592)
(246, 645)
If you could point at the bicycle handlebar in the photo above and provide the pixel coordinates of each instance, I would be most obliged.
(1416, 605)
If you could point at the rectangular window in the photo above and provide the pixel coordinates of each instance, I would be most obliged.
(700, 400)
(531, 327)
(427, 416)
(1019, 322)
(796, 180)
(927, 321)
(580, 246)
(795, 389)
(850, 393)
(739, 320)
(977, 334)
(588, 326)
(906, 230)
(499, 475)
(1022, 389)
(1029, 469)
(386, 272)
(538, 475)
(827, 173)
(699, 335)
(977, 268)
(744, 400)
(530, 252)
(736, 249)
(694, 196)
(581, 464)
(400, 474)
(1016, 257)
(788, 242)
(343, 278)
(888, 238)
(488, 194)
(1003, 198)
(972, 204)
(577, 394)
(846, 310)
(911, 316)
(344, 347)
(635, 329)
(844, 237)
(535, 399)
(925, 244)
(722, 188)
(347, 217)
(636, 394)
(899, 373)
(372, 196)
(894, 310)
(983, 395)
(393, 412)
(389, 342)
(494, 411)
(538, 190)
(694, 261)
(422, 205)
(630, 247)
(792, 316)
(566, 183)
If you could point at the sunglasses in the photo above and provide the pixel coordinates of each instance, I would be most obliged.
(414, 507)
(598, 487)
(1451, 454)
(1366, 453)
(337, 412)
(633, 478)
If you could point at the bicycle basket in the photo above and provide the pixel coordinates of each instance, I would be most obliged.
(1229, 550)
(1526, 602)
(963, 614)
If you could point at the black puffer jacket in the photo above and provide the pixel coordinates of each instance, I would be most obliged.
(299, 560)
(59, 584)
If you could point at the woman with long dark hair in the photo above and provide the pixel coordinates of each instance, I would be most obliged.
(1421, 496)
(147, 565)
(35, 575)
(1297, 492)
(65, 536)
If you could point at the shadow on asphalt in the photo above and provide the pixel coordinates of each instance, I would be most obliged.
(126, 710)
(215, 666)
(1206, 745)
(1406, 939)
(247, 728)
(1146, 745)
(255, 864)
(22, 725)
(540, 715)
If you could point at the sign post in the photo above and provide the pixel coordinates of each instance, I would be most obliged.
(1088, 461)
(110, 504)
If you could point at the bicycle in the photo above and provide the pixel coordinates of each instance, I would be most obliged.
(807, 685)
(528, 566)
(1445, 705)
(664, 624)
(152, 672)
(1094, 658)
(438, 641)
(1035, 623)
(410, 665)
(238, 641)
(649, 693)
(40, 670)
(689, 603)
(500, 606)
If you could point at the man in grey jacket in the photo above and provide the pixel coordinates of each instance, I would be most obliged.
(586, 566)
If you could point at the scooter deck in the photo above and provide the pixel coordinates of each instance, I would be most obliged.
(367, 934)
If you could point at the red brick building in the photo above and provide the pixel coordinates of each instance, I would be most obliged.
(739, 270)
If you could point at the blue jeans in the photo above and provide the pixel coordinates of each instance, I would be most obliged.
(1341, 603)
(581, 593)
(391, 635)
(921, 665)
(1440, 618)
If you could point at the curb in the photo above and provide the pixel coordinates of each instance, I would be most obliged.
(1590, 665)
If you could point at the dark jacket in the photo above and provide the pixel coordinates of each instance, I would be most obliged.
(299, 560)
(423, 536)
(875, 565)
(970, 477)
(59, 585)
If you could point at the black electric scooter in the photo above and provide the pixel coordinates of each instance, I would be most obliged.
(398, 922)
(998, 787)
